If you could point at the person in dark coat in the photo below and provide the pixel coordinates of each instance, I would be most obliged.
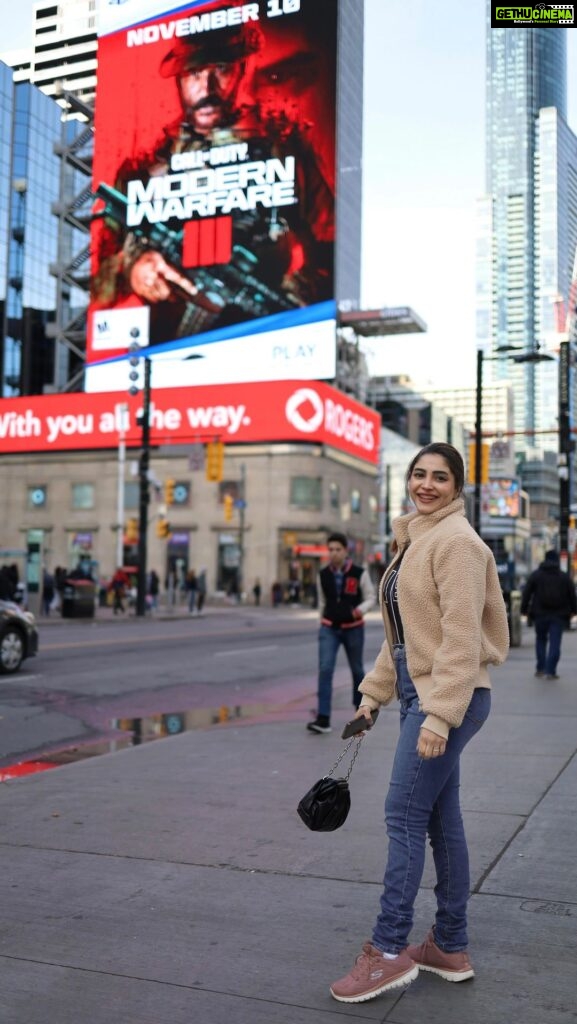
(549, 601)
(48, 591)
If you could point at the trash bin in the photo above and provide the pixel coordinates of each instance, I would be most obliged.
(513, 602)
(78, 599)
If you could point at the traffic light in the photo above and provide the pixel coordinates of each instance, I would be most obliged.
(131, 532)
(228, 502)
(162, 528)
(169, 492)
(214, 461)
(485, 457)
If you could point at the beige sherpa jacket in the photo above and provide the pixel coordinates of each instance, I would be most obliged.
(453, 613)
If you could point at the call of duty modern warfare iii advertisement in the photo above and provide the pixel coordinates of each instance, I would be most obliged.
(213, 237)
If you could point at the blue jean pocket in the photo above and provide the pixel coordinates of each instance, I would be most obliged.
(478, 711)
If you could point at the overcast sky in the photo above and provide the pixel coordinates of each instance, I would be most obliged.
(423, 169)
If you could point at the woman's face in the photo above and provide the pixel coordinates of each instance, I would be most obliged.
(431, 484)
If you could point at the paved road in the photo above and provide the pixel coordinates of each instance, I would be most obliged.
(89, 677)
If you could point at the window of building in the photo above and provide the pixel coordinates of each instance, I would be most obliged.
(306, 492)
(37, 496)
(131, 494)
(356, 502)
(334, 495)
(82, 495)
(373, 508)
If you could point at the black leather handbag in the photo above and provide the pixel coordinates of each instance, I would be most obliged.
(326, 805)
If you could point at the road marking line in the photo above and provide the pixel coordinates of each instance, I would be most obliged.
(245, 650)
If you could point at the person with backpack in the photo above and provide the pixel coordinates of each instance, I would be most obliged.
(549, 601)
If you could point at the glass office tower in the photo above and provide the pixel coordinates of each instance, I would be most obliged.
(528, 219)
(28, 184)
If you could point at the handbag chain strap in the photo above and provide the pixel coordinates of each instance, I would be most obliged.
(345, 751)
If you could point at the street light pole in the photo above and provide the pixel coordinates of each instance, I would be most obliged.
(478, 442)
(144, 495)
(241, 527)
(565, 451)
(533, 356)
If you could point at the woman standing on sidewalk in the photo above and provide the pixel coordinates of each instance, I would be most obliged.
(445, 622)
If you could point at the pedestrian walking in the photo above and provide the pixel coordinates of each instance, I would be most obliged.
(347, 594)
(549, 601)
(190, 585)
(257, 591)
(7, 586)
(445, 622)
(118, 585)
(48, 591)
(200, 591)
(153, 589)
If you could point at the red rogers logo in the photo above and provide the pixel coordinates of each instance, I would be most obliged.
(307, 412)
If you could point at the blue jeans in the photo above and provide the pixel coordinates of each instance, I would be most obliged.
(329, 642)
(423, 799)
(548, 630)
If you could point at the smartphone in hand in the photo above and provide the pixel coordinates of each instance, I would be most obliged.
(360, 724)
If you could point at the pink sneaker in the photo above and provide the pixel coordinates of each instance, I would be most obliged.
(450, 966)
(372, 975)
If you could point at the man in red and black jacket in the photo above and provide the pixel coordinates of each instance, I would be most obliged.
(345, 594)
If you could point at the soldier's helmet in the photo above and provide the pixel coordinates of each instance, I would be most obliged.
(217, 46)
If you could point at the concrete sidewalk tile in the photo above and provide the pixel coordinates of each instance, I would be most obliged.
(45, 994)
(524, 962)
(249, 935)
(541, 859)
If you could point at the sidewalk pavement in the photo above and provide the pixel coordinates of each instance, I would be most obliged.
(180, 611)
(174, 882)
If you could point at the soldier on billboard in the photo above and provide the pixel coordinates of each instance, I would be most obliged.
(281, 258)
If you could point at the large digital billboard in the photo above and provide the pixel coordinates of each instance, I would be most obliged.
(214, 231)
(288, 411)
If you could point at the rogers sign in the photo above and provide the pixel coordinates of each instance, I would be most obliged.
(234, 413)
(308, 413)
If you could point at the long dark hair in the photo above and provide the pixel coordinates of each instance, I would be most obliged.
(452, 457)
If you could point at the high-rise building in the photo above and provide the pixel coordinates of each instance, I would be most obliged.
(527, 231)
(63, 50)
(29, 178)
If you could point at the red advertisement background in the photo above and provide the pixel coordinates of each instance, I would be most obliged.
(134, 104)
(235, 413)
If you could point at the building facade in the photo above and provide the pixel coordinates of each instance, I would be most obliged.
(28, 290)
(286, 499)
(63, 50)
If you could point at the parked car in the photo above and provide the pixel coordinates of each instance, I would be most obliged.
(18, 637)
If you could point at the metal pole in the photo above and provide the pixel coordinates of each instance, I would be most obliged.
(144, 494)
(241, 512)
(387, 512)
(121, 412)
(478, 441)
(381, 526)
(564, 460)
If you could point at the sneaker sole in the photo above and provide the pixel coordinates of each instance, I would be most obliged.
(319, 730)
(405, 979)
(448, 975)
